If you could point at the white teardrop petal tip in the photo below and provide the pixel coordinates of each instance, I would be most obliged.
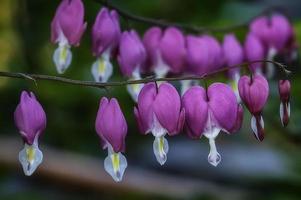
(160, 148)
(214, 158)
(30, 158)
(115, 165)
(102, 70)
(62, 58)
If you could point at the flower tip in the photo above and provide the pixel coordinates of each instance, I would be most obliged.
(115, 165)
(30, 158)
(257, 125)
(214, 159)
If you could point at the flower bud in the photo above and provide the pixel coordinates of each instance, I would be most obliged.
(105, 39)
(131, 57)
(166, 50)
(30, 120)
(111, 127)
(254, 93)
(284, 87)
(233, 55)
(67, 28)
(254, 51)
(275, 32)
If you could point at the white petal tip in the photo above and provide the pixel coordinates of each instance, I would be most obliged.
(160, 147)
(102, 69)
(214, 159)
(62, 58)
(30, 158)
(115, 165)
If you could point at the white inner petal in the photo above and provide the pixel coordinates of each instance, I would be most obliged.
(270, 66)
(160, 147)
(102, 69)
(157, 129)
(115, 164)
(30, 158)
(281, 110)
(62, 58)
(161, 69)
(234, 86)
(214, 158)
(211, 131)
(254, 125)
(134, 89)
(185, 85)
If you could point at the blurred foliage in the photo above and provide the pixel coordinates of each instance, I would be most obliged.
(25, 47)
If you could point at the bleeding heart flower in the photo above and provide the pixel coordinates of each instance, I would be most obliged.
(233, 55)
(159, 112)
(204, 55)
(284, 87)
(67, 28)
(254, 50)
(209, 112)
(105, 39)
(111, 127)
(275, 32)
(30, 119)
(166, 50)
(131, 57)
(254, 93)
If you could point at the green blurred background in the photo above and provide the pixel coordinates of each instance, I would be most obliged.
(249, 170)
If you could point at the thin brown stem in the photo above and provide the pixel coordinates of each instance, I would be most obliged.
(190, 28)
(37, 77)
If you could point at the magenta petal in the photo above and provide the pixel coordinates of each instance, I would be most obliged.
(197, 54)
(105, 32)
(173, 50)
(196, 111)
(167, 107)
(284, 87)
(254, 50)
(144, 111)
(131, 52)
(30, 117)
(239, 119)
(111, 125)
(69, 19)
(233, 52)
(151, 41)
(254, 94)
(216, 59)
(181, 121)
(223, 105)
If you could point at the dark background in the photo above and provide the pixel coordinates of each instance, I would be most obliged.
(73, 162)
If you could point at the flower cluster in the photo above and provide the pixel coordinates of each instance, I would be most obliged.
(160, 109)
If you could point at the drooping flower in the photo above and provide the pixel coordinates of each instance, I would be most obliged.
(233, 55)
(111, 127)
(275, 32)
(284, 87)
(105, 39)
(131, 57)
(204, 55)
(209, 112)
(166, 50)
(254, 51)
(254, 93)
(159, 112)
(67, 28)
(30, 120)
